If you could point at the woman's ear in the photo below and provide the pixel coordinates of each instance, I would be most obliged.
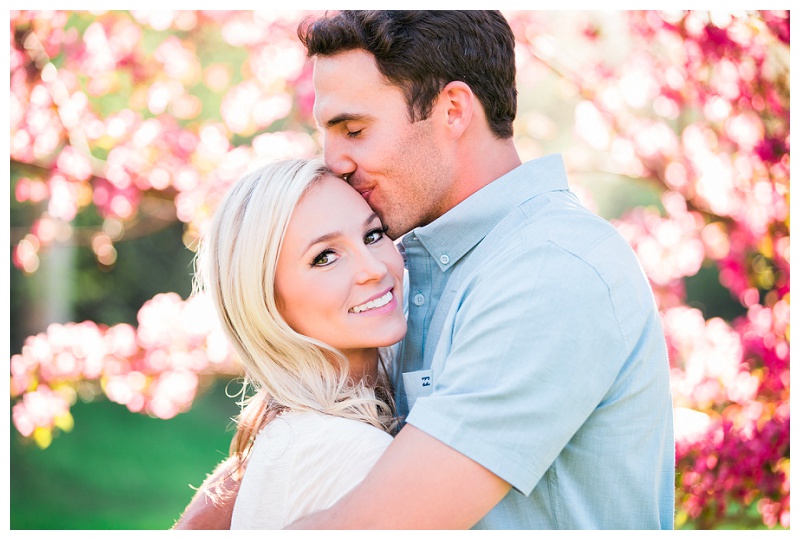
(458, 106)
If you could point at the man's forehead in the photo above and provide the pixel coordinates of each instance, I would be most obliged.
(350, 69)
(331, 88)
(344, 85)
(345, 60)
(327, 109)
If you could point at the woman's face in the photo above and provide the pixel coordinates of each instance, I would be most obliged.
(339, 278)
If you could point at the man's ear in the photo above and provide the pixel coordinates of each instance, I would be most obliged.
(459, 107)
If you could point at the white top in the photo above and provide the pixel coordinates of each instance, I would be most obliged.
(303, 462)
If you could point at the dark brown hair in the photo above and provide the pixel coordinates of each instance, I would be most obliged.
(422, 51)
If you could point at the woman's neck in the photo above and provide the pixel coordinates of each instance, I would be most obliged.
(363, 364)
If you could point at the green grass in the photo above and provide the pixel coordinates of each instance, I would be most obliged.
(118, 470)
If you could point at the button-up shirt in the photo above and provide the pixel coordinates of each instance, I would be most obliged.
(535, 348)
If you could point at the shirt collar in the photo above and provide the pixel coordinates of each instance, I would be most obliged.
(452, 235)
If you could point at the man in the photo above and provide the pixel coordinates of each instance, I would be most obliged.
(534, 376)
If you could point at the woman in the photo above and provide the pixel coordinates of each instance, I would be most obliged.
(309, 291)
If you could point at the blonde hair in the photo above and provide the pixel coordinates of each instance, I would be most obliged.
(236, 266)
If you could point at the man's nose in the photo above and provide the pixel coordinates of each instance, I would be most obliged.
(337, 158)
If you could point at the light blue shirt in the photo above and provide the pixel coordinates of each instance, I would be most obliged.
(535, 348)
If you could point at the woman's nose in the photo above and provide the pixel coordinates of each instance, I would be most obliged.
(369, 267)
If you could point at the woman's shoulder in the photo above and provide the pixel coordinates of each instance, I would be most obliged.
(311, 427)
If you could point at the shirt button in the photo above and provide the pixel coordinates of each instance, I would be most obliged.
(419, 300)
(444, 259)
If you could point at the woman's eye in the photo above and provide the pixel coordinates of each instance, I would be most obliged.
(353, 134)
(374, 235)
(325, 258)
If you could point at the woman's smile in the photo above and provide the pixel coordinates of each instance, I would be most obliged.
(386, 299)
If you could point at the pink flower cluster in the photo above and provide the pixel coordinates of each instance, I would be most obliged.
(737, 448)
(153, 369)
(739, 463)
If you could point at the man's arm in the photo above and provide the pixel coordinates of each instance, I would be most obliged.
(418, 483)
(212, 505)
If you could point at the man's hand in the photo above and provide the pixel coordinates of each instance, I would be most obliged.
(418, 483)
(212, 505)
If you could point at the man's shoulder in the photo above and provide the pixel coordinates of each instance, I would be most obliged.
(552, 240)
(555, 220)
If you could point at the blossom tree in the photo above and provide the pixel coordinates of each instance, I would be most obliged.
(139, 118)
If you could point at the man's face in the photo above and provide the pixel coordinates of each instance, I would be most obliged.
(399, 167)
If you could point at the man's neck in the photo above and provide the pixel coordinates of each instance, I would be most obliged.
(483, 163)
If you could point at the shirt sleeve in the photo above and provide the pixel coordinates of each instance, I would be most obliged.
(531, 346)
